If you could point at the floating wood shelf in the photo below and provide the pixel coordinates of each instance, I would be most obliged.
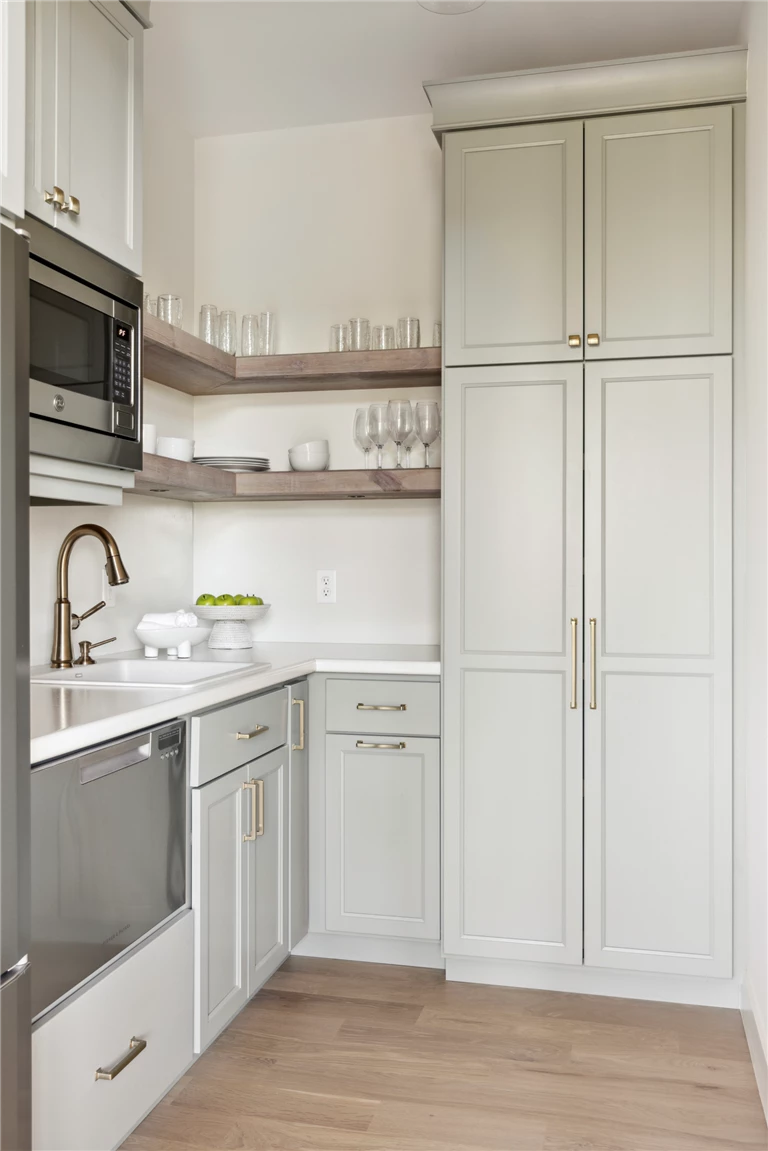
(174, 480)
(182, 361)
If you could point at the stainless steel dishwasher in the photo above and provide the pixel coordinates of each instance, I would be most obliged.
(109, 854)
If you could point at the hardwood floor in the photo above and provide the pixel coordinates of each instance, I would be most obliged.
(334, 1056)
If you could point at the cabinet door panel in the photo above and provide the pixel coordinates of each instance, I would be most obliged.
(512, 742)
(658, 239)
(658, 743)
(45, 23)
(299, 811)
(513, 249)
(268, 871)
(383, 836)
(12, 102)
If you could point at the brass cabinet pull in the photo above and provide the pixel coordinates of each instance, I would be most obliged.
(250, 785)
(593, 339)
(56, 197)
(300, 745)
(258, 730)
(110, 1073)
(593, 664)
(72, 206)
(385, 746)
(574, 341)
(382, 707)
(260, 793)
(574, 662)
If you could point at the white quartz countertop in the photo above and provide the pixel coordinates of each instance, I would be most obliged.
(66, 719)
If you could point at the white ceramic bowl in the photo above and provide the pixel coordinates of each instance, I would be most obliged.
(311, 457)
(241, 611)
(176, 448)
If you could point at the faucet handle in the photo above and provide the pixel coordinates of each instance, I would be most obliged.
(78, 619)
(86, 646)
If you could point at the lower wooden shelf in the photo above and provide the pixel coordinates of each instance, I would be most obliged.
(174, 480)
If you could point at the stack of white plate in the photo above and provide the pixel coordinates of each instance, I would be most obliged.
(235, 463)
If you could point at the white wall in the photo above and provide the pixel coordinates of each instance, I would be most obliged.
(169, 201)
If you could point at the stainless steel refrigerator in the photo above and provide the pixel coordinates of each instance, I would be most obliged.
(15, 1014)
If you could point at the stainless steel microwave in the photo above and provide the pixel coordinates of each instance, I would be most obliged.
(85, 344)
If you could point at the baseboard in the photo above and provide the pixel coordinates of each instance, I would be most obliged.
(365, 949)
(595, 981)
(756, 1041)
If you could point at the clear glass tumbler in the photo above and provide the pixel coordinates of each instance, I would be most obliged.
(208, 329)
(359, 334)
(267, 334)
(400, 424)
(427, 425)
(339, 341)
(377, 426)
(228, 331)
(383, 337)
(249, 338)
(408, 334)
(150, 305)
(360, 432)
(437, 334)
(169, 308)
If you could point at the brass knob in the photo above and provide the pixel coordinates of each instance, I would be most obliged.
(72, 206)
(56, 197)
(593, 339)
(574, 341)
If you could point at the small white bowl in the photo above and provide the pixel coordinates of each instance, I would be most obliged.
(311, 457)
(176, 448)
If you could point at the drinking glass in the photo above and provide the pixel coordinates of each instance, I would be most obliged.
(427, 425)
(249, 339)
(412, 439)
(400, 415)
(360, 432)
(359, 334)
(267, 334)
(408, 335)
(169, 309)
(150, 305)
(228, 331)
(437, 334)
(383, 337)
(339, 338)
(209, 324)
(377, 426)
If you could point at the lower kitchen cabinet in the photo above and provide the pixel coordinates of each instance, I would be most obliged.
(145, 998)
(267, 896)
(382, 835)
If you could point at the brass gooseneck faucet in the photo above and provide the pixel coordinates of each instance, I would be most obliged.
(64, 619)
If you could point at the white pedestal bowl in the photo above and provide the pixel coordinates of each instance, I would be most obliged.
(230, 628)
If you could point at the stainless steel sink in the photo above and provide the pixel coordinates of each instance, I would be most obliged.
(143, 673)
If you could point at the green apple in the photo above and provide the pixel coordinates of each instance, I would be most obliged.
(251, 600)
(225, 601)
(205, 600)
(239, 599)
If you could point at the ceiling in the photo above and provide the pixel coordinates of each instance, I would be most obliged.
(217, 67)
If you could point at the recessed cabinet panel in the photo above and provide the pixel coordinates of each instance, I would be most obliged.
(658, 233)
(268, 868)
(513, 244)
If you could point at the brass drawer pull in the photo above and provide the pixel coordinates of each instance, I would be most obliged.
(574, 341)
(56, 197)
(382, 707)
(384, 746)
(593, 664)
(593, 339)
(251, 786)
(574, 662)
(136, 1048)
(72, 205)
(300, 745)
(258, 730)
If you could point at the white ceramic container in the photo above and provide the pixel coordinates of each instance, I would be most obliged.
(312, 457)
(176, 448)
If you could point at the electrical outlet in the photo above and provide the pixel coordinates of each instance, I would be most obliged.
(326, 587)
(107, 591)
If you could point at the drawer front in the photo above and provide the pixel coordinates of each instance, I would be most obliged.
(148, 997)
(231, 736)
(404, 707)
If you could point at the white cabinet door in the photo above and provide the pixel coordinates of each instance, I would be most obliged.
(383, 835)
(514, 244)
(512, 741)
(658, 233)
(267, 866)
(12, 100)
(220, 819)
(85, 117)
(658, 739)
(299, 812)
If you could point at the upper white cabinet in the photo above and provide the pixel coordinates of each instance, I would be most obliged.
(84, 123)
(658, 233)
(514, 247)
(12, 59)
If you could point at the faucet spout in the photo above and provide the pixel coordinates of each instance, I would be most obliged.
(61, 655)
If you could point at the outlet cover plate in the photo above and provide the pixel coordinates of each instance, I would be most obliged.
(326, 587)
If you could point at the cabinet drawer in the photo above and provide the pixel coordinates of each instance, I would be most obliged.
(228, 737)
(404, 707)
(149, 997)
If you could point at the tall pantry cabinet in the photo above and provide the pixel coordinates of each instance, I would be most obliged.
(587, 541)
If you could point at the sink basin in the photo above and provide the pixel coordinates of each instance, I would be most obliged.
(143, 673)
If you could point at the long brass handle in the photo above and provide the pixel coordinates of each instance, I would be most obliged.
(260, 793)
(592, 664)
(258, 730)
(300, 745)
(574, 662)
(78, 619)
(250, 785)
(110, 1073)
(593, 339)
(387, 746)
(382, 707)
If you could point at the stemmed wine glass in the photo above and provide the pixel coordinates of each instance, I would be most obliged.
(400, 415)
(427, 425)
(411, 440)
(360, 432)
(377, 426)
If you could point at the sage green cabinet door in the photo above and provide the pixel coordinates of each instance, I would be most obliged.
(658, 233)
(513, 244)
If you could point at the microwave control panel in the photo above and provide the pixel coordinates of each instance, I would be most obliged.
(122, 383)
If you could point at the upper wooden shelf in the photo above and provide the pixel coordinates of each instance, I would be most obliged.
(182, 361)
